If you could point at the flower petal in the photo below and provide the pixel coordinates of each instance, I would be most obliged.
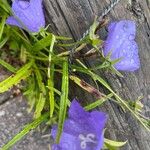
(120, 42)
(100, 122)
(66, 141)
(29, 13)
(76, 111)
(12, 21)
(79, 142)
(81, 132)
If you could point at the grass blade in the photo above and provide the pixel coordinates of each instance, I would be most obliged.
(63, 101)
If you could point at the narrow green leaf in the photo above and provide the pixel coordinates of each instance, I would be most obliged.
(98, 103)
(25, 131)
(80, 69)
(114, 143)
(51, 90)
(24, 41)
(21, 74)
(3, 42)
(17, 33)
(7, 66)
(30, 92)
(5, 6)
(23, 54)
(53, 39)
(39, 79)
(2, 26)
(41, 44)
(63, 38)
(3, 9)
(39, 106)
(51, 77)
(115, 71)
(63, 100)
(40, 92)
(93, 29)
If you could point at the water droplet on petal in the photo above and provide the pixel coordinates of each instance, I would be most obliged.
(23, 4)
(125, 27)
(131, 37)
(128, 47)
(117, 37)
(132, 61)
(124, 51)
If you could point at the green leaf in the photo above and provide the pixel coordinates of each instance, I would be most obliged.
(40, 92)
(21, 74)
(4, 4)
(39, 106)
(16, 34)
(3, 42)
(2, 26)
(93, 29)
(63, 38)
(43, 43)
(39, 79)
(51, 76)
(7, 66)
(63, 100)
(80, 69)
(25, 131)
(51, 90)
(115, 71)
(30, 93)
(98, 103)
(23, 54)
(113, 144)
(105, 64)
(13, 45)
(93, 38)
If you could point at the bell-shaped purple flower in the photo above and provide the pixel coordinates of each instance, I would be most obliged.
(28, 14)
(82, 130)
(120, 42)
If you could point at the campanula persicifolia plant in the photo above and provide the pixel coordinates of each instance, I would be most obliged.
(42, 67)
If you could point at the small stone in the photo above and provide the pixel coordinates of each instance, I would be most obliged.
(19, 114)
(2, 113)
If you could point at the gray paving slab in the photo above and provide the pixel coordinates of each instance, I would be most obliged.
(13, 117)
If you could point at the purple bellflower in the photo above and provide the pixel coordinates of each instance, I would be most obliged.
(82, 130)
(28, 14)
(120, 42)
